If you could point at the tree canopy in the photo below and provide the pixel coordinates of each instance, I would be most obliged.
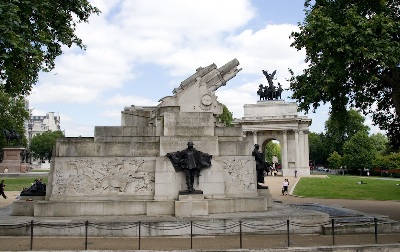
(335, 160)
(353, 55)
(13, 113)
(41, 145)
(226, 117)
(359, 152)
(31, 37)
(272, 149)
(318, 152)
(340, 127)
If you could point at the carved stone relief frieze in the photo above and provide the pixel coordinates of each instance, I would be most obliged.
(86, 176)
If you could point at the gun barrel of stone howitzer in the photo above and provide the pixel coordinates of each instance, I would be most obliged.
(200, 72)
(227, 72)
(228, 66)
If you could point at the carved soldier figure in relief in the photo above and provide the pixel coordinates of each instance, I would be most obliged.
(190, 161)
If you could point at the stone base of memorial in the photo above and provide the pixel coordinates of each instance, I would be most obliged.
(191, 205)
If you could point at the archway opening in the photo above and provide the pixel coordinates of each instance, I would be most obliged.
(273, 156)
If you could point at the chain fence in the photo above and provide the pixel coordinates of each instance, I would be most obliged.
(194, 235)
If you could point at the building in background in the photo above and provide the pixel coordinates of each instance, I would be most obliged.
(40, 124)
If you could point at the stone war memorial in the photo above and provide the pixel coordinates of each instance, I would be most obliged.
(14, 159)
(129, 170)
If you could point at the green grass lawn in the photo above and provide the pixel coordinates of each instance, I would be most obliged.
(17, 184)
(346, 187)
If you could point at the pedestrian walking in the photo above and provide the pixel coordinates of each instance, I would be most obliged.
(285, 186)
(2, 185)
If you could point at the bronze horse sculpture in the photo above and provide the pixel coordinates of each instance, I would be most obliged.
(270, 92)
(11, 135)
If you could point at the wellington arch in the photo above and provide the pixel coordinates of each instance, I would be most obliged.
(277, 119)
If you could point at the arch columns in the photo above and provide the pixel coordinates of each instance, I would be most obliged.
(284, 150)
(255, 138)
(279, 120)
(297, 150)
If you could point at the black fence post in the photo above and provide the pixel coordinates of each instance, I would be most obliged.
(139, 234)
(240, 234)
(288, 233)
(191, 234)
(86, 233)
(333, 232)
(31, 245)
(376, 230)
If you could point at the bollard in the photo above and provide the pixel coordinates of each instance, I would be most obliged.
(333, 232)
(240, 234)
(191, 234)
(31, 245)
(288, 235)
(139, 234)
(376, 230)
(86, 233)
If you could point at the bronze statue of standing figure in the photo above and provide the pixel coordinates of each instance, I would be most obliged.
(260, 167)
(190, 161)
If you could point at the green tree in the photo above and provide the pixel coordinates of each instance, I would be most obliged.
(353, 55)
(42, 145)
(226, 117)
(391, 161)
(342, 126)
(381, 143)
(272, 149)
(32, 34)
(13, 113)
(359, 152)
(335, 160)
(318, 151)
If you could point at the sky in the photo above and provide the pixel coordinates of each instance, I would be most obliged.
(138, 51)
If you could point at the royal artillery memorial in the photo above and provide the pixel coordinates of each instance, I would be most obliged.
(124, 170)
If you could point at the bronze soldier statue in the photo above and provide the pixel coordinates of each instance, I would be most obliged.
(260, 166)
(191, 161)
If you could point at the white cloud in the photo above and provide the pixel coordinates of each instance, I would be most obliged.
(175, 37)
(126, 100)
(76, 130)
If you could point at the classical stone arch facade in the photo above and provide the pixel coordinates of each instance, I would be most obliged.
(279, 120)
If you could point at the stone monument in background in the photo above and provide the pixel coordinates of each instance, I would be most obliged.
(14, 159)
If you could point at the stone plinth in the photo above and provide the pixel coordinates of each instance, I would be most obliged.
(12, 160)
(191, 205)
(266, 194)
